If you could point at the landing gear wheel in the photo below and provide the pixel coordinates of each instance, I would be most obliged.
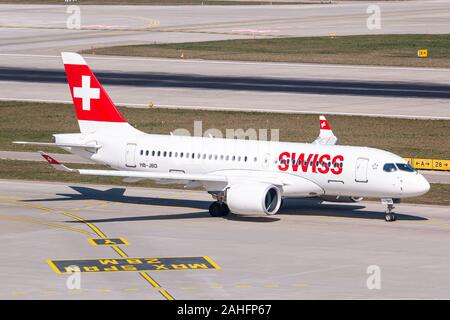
(389, 215)
(218, 209)
(225, 209)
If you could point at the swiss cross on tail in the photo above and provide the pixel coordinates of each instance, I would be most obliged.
(326, 136)
(86, 92)
(91, 101)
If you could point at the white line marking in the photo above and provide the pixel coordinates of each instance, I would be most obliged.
(167, 106)
(345, 66)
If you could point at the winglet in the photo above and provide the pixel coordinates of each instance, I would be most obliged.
(55, 163)
(326, 136)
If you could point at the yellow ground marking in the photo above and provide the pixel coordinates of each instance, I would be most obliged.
(104, 290)
(46, 224)
(212, 263)
(298, 285)
(216, 287)
(131, 289)
(187, 288)
(18, 293)
(101, 235)
(28, 205)
(243, 286)
(94, 243)
(52, 265)
(271, 286)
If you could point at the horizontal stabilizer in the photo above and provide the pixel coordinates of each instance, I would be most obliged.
(55, 163)
(63, 145)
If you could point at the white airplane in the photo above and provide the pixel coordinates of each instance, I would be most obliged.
(243, 176)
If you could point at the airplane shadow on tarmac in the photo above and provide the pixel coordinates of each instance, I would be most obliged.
(301, 207)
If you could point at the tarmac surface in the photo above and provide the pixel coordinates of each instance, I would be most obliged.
(307, 251)
(247, 86)
(43, 28)
(32, 37)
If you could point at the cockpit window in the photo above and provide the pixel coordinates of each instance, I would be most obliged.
(405, 167)
(389, 167)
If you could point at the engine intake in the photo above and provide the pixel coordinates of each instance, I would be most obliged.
(250, 198)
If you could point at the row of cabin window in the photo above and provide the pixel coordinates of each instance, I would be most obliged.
(188, 155)
(287, 161)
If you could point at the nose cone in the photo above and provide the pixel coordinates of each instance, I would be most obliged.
(417, 186)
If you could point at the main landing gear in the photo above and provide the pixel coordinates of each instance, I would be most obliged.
(218, 209)
(389, 215)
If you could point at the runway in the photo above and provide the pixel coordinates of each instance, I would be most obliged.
(308, 251)
(244, 86)
(43, 28)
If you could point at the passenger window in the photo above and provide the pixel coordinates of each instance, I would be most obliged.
(153, 153)
(159, 153)
(170, 154)
(181, 154)
(245, 159)
(389, 167)
(164, 154)
(146, 153)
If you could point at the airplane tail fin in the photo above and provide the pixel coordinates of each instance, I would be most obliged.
(326, 135)
(94, 109)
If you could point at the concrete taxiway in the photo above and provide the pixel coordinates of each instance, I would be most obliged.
(43, 28)
(309, 250)
(248, 86)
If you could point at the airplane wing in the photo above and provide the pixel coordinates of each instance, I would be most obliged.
(64, 145)
(326, 136)
(136, 175)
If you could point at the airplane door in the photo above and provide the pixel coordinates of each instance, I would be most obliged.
(361, 170)
(130, 153)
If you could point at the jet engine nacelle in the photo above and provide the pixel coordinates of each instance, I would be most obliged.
(248, 198)
(341, 198)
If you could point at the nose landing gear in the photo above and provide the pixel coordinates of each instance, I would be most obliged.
(389, 215)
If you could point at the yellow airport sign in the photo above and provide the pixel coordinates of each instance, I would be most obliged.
(426, 164)
(422, 53)
(441, 165)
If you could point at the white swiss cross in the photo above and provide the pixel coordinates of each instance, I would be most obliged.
(323, 124)
(86, 93)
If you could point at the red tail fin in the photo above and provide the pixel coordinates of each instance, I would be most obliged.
(91, 101)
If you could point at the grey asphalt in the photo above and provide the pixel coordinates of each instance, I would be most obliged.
(31, 37)
(308, 251)
(42, 28)
(248, 86)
